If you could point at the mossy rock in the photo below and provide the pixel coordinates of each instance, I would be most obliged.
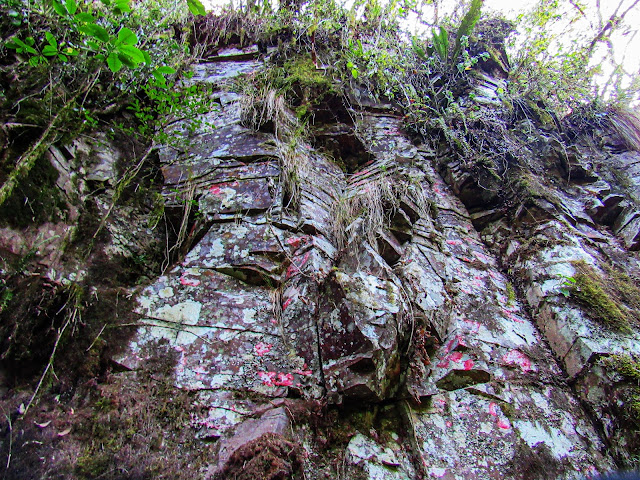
(37, 198)
(600, 297)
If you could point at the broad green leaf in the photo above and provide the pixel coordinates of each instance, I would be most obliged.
(166, 70)
(72, 6)
(98, 32)
(93, 45)
(417, 48)
(62, 57)
(123, 6)
(37, 60)
(49, 50)
(25, 47)
(147, 57)
(72, 52)
(196, 7)
(113, 62)
(59, 8)
(132, 52)
(126, 37)
(467, 24)
(160, 80)
(106, 2)
(85, 17)
(51, 39)
(127, 60)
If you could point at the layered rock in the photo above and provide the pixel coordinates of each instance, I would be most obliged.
(375, 294)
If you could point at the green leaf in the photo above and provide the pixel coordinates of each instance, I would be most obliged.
(417, 48)
(59, 8)
(123, 6)
(84, 17)
(62, 57)
(147, 57)
(160, 80)
(93, 45)
(49, 50)
(196, 7)
(126, 37)
(35, 61)
(127, 60)
(25, 47)
(72, 6)
(135, 54)
(166, 70)
(113, 62)
(51, 39)
(97, 32)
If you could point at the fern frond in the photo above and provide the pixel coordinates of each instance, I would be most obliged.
(466, 26)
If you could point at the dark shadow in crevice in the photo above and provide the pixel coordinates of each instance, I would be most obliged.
(251, 275)
(340, 143)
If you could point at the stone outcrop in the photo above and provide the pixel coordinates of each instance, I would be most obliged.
(408, 318)
(417, 320)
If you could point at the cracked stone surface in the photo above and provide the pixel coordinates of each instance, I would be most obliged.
(273, 322)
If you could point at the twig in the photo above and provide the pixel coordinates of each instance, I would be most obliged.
(10, 443)
(129, 175)
(96, 339)
(70, 318)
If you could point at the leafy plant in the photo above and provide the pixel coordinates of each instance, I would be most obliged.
(441, 44)
(95, 36)
(467, 25)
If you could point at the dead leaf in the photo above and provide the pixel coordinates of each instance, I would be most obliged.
(64, 432)
(43, 425)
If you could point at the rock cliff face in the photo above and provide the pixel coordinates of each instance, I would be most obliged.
(358, 304)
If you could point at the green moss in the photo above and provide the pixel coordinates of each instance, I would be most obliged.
(625, 365)
(590, 291)
(511, 294)
(625, 286)
(301, 70)
(629, 368)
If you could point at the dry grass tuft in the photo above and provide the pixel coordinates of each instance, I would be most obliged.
(266, 109)
(375, 202)
(626, 125)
